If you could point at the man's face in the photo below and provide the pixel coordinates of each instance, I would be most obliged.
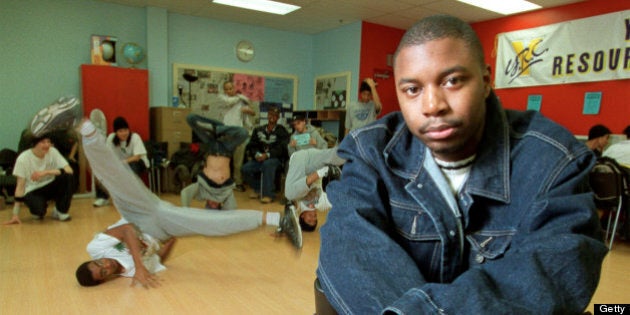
(299, 126)
(122, 134)
(365, 96)
(228, 89)
(603, 141)
(103, 269)
(43, 145)
(441, 88)
(272, 118)
(310, 217)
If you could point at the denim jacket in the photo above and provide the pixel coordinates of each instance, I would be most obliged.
(522, 236)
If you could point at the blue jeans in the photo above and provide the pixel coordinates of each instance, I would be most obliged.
(218, 138)
(251, 174)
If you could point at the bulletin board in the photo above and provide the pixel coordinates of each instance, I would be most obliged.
(198, 87)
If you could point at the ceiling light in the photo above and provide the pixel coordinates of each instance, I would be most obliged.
(261, 5)
(505, 7)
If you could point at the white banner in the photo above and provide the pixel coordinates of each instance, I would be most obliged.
(590, 49)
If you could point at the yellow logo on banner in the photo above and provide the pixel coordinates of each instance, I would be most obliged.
(525, 56)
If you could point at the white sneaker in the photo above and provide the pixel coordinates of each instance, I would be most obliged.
(100, 202)
(60, 115)
(100, 122)
(60, 216)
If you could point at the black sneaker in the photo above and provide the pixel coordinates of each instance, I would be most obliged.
(334, 173)
(60, 115)
(290, 225)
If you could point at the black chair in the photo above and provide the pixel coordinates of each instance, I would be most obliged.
(322, 306)
(610, 186)
(157, 155)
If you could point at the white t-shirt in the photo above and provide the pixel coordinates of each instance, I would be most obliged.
(27, 163)
(233, 115)
(107, 246)
(359, 114)
(619, 151)
(124, 151)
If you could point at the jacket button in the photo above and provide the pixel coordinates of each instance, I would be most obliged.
(479, 258)
(451, 233)
(420, 186)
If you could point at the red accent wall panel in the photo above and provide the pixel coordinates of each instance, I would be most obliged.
(117, 92)
(378, 41)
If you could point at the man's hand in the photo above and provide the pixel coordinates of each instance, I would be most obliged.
(145, 278)
(15, 219)
(261, 157)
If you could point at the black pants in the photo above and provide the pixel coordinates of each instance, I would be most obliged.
(137, 167)
(59, 190)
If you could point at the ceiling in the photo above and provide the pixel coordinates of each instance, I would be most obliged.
(317, 16)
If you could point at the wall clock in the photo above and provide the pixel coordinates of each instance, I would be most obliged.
(245, 51)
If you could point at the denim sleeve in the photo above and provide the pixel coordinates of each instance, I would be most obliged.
(552, 266)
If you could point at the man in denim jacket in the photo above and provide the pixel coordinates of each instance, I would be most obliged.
(457, 206)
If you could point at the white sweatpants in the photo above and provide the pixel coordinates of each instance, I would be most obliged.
(138, 205)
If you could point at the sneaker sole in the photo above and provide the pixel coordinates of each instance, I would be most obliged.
(59, 115)
(98, 119)
(296, 238)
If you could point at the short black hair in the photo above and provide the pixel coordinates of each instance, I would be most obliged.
(365, 87)
(84, 276)
(442, 26)
(627, 132)
(33, 140)
(598, 131)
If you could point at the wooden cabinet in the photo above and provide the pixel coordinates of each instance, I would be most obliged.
(168, 124)
(333, 121)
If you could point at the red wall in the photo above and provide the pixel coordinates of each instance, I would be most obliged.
(563, 103)
(377, 42)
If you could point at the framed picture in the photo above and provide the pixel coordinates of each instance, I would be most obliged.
(332, 91)
(103, 50)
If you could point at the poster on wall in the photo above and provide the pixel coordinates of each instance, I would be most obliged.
(568, 52)
(331, 91)
(103, 50)
(200, 87)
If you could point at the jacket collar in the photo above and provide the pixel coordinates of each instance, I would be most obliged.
(489, 176)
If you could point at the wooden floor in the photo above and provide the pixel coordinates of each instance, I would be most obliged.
(248, 273)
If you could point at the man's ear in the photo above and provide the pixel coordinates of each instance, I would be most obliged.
(487, 80)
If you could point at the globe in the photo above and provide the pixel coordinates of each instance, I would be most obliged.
(133, 53)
